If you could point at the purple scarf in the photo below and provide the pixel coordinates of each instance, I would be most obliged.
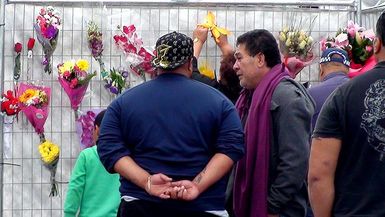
(250, 185)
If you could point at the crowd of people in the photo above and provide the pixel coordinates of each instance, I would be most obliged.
(253, 143)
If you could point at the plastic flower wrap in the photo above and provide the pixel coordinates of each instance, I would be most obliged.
(34, 101)
(358, 43)
(74, 79)
(47, 31)
(49, 153)
(296, 48)
(138, 58)
(206, 70)
(212, 26)
(85, 127)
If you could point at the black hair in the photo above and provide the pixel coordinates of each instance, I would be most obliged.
(380, 28)
(261, 41)
(99, 118)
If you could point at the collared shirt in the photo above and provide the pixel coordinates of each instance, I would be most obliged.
(321, 91)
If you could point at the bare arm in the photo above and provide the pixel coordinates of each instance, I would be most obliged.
(323, 162)
(155, 185)
(218, 166)
(224, 45)
(200, 37)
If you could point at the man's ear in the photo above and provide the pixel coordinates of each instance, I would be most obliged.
(260, 60)
(321, 70)
(377, 45)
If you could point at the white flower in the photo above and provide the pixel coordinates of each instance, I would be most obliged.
(302, 44)
(288, 42)
(282, 36)
(309, 40)
(342, 37)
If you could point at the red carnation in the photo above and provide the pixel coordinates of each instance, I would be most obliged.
(31, 43)
(18, 47)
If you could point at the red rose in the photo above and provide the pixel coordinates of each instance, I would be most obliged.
(31, 43)
(18, 47)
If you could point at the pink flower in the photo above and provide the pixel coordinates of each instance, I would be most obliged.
(369, 49)
(369, 34)
(129, 48)
(129, 30)
(73, 83)
(352, 28)
(322, 44)
(66, 74)
(42, 12)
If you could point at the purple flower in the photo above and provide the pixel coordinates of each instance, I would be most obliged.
(114, 90)
(124, 74)
(108, 85)
(44, 61)
(50, 32)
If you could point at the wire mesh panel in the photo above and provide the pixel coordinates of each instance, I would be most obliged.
(26, 187)
(370, 16)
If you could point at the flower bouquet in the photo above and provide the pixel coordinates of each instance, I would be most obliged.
(30, 45)
(49, 154)
(9, 104)
(296, 48)
(95, 43)
(358, 43)
(138, 58)
(47, 31)
(116, 81)
(74, 79)
(17, 68)
(9, 109)
(34, 101)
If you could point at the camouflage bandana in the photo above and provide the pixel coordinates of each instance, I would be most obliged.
(173, 50)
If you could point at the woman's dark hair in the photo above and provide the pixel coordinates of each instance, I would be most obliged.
(229, 83)
(261, 41)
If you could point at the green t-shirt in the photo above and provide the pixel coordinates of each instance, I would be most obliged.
(92, 191)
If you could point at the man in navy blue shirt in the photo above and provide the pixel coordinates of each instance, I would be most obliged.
(334, 66)
(173, 140)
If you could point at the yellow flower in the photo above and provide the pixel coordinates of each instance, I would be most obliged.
(67, 66)
(282, 36)
(49, 152)
(82, 64)
(27, 95)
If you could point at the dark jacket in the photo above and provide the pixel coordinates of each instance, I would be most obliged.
(291, 112)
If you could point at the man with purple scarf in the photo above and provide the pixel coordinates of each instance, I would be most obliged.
(276, 112)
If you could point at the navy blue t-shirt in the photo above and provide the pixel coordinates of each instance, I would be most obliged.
(172, 125)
